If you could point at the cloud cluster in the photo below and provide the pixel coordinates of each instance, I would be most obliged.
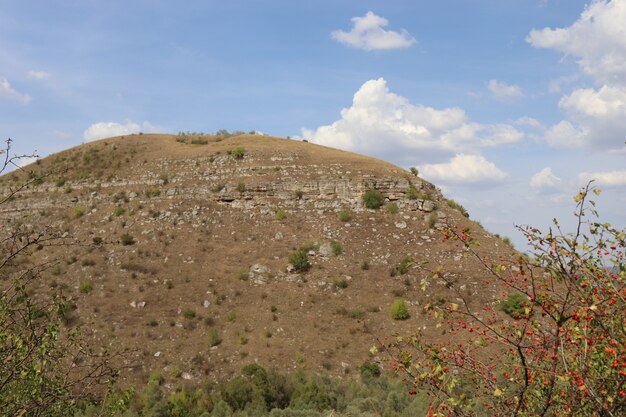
(8, 92)
(464, 169)
(387, 125)
(103, 130)
(502, 91)
(367, 33)
(596, 118)
(615, 178)
(38, 75)
(597, 39)
(545, 179)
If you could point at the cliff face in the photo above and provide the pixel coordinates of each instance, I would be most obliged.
(184, 251)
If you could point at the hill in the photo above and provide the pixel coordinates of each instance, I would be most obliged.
(183, 249)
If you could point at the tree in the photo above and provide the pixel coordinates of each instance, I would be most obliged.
(563, 353)
(44, 367)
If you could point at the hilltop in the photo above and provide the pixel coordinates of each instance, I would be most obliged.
(178, 248)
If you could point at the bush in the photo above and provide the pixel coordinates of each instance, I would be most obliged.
(414, 171)
(153, 192)
(214, 338)
(300, 260)
(127, 239)
(237, 152)
(517, 306)
(373, 199)
(336, 248)
(344, 215)
(118, 211)
(411, 193)
(431, 220)
(369, 370)
(399, 310)
(241, 187)
(403, 267)
(340, 282)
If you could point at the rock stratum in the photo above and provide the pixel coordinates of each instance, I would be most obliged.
(176, 249)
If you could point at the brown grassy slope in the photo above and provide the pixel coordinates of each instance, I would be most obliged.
(200, 218)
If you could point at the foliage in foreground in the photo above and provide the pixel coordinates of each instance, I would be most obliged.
(260, 392)
(564, 351)
(44, 367)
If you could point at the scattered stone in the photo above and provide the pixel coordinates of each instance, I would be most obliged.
(326, 250)
(259, 274)
(401, 225)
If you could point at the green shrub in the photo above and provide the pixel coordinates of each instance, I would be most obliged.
(127, 239)
(214, 338)
(241, 187)
(392, 208)
(336, 248)
(411, 193)
(300, 260)
(453, 204)
(344, 215)
(189, 314)
(414, 171)
(118, 211)
(199, 141)
(399, 310)
(340, 282)
(369, 369)
(517, 306)
(153, 192)
(373, 199)
(85, 287)
(237, 152)
(403, 267)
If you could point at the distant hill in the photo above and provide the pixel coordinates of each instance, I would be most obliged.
(186, 245)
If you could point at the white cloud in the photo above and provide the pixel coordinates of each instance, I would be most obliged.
(464, 169)
(606, 179)
(103, 130)
(7, 91)
(367, 33)
(502, 91)
(38, 75)
(597, 39)
(529, 122)
(387, 125)
(545, 179)
(596, 118)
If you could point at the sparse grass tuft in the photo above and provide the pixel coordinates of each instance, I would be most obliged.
(280, 214)
(85, 287)
(392, 208)
(336, 248)
(344, 215)
(453, 204)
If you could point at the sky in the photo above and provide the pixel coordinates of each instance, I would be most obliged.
(509, 106)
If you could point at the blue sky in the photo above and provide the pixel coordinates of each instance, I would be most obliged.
(508, 106)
